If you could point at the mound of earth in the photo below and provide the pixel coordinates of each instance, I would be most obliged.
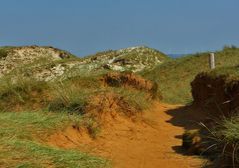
(39, 62)
(13, 57)
(130, 80)
(217, 93)
(133, 59)
(108, 105)
(147, 143)
(48, 63)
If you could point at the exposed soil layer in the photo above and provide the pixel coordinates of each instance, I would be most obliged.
(151, 142)
(218, 95)
(109, 105)
(130, 80)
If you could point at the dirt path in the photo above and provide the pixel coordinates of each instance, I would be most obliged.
(149, 144)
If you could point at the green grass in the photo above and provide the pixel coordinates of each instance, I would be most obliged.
(136, 99)
(222, 141)
(230, 73)
(21, 134)
(71, 94)
(230, 130)
(19, 92)
(174, 77)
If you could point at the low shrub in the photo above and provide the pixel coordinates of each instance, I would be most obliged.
(3, 53)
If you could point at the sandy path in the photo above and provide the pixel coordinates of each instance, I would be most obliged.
(151, 144)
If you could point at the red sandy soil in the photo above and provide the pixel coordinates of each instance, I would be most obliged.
(151, 143)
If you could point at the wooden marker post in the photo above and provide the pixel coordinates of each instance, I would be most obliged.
(212, 61)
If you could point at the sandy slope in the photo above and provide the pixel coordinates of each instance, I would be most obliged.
(154, 143)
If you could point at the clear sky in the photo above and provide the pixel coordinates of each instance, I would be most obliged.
(87, 26)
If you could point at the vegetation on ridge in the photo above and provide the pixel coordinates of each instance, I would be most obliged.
(133, 59)
(174, 77)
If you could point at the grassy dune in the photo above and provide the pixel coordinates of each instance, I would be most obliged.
(31, 110)
(20, 144)
(174, 77)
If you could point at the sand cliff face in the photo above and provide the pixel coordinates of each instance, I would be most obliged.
(219, 94)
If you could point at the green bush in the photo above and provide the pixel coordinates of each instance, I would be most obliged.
(4, 51)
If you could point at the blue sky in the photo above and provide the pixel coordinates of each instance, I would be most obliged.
(87, 26)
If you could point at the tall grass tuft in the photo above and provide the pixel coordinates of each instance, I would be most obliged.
(20, 91)
(224, 137)
(67, 97)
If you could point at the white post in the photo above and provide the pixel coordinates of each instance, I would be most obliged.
(212, 61)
